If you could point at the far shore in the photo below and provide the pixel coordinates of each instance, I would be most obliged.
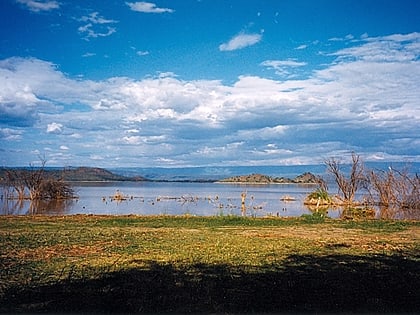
(264, 183)
(100, 175)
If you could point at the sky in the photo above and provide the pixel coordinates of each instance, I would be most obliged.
(177, 83)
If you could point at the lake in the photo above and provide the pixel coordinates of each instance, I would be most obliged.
(172, 198)
(178, 197)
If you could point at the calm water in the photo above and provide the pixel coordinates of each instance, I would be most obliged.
(203, 199)
(152, 198)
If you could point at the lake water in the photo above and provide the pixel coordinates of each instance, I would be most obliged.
(173, 198)
(196, 198)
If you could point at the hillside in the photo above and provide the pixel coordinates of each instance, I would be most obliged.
(95, 174)
(79, 174)
(305, 178)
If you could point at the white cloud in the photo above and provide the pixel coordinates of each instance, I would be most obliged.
(19, 103)
(54, 128)
(147, 7)
(88, 54)
(142, 53)
(282, 67)
(132, 131)
(241, 41)
(360, 101)
(96, 26)
(39, 5)
(132, 139)
(64, 147)
(283, 63)
(364, 36)
(10, 134)
(107, 104)
(95, 18)
(96, 157)
(76, 136)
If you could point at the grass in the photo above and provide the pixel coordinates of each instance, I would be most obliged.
(208, 264)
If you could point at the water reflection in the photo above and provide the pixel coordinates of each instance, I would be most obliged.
(398, 213)
(33, 207)
(386, 213)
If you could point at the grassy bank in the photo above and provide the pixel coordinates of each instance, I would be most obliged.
(208, 264)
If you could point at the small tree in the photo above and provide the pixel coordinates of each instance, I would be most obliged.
(350, 184)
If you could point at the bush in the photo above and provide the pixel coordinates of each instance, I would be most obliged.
(318, 197)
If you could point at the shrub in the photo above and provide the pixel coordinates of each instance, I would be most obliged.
(318, 197)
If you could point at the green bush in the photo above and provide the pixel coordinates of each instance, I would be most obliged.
(320, 196)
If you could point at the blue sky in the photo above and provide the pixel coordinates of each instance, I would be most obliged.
(208, 82)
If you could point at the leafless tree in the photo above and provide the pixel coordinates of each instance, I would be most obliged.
(55, 189)
(348, 184)
(394, 189)
(15, 180)
(37, 183)
(34, 180)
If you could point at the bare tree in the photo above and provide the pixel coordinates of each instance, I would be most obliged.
(15, 180)
(350, 184)
(38, 184)
(55, 189)
(394, 189)
(34, 179)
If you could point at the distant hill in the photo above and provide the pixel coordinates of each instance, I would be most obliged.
(81, 174)
(95, 174)
(305, 178)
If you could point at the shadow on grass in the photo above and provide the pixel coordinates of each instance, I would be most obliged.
(337, 283)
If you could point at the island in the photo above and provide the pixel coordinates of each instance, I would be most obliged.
(305, 178)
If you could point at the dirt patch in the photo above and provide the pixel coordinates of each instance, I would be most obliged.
(50, 252)
(332, 237)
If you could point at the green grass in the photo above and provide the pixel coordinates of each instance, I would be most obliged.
(211, 264)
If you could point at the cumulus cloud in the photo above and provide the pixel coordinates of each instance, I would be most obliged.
(31, 87)
(361, 101)
(147, 7)
(39, 5)
(240, 41)
(19, 103)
